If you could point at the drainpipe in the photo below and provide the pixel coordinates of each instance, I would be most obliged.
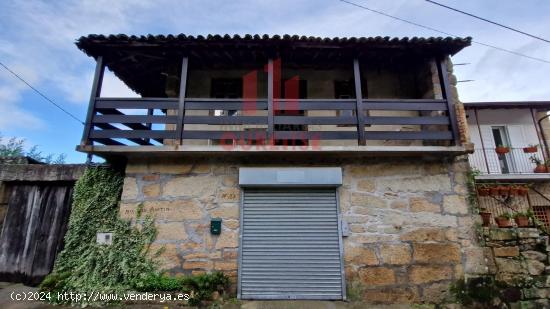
(542, 132)
(482, 144)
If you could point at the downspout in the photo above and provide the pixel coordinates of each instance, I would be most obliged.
(542, 132)
(482, 144)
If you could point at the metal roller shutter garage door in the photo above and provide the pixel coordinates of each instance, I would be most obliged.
(291, 245)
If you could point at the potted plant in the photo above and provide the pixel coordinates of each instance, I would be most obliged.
(514, 190)
(540, 168)
(522, 219)
(530, 149)
(502, 149)
(483, 191)
(503, 190)
(494, 191)
(485, 217)
(504, 220)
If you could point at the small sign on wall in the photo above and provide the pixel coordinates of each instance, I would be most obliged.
(104, 238)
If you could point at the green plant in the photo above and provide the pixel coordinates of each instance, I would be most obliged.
(202, 286)
(158, 283)
(355, 290)
(534, 159)
(471, 188)
(528, 214)
(506, 215)
(91, 266)
(54, 282)
(474, 290)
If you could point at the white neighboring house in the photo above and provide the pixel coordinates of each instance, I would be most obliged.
(513, 124)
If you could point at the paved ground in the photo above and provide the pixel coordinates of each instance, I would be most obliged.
(7, 289)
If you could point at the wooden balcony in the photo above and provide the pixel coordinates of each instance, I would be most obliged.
(159, 125)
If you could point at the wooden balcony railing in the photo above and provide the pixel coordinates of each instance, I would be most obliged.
(161, 121)
(146, 120)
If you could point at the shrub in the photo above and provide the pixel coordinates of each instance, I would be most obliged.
(159, 283)
(202, 286)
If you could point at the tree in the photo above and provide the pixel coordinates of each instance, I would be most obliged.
(14, 147)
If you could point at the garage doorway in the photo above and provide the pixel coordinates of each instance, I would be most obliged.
(291, 244)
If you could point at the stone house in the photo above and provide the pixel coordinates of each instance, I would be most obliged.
(337, 166)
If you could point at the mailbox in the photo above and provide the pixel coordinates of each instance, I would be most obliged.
(216, 226)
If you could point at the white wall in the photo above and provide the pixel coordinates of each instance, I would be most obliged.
(521, 132)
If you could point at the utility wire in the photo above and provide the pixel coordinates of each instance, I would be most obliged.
(41, 94)
(489, 21)
(443, 32)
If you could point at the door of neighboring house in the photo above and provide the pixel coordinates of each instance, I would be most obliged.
(290, 244)
(500, 137)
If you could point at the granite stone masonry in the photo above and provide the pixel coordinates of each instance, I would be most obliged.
(411, 230)
(521, 266)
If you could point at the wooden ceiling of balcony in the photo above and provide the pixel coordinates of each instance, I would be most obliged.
(143, 62)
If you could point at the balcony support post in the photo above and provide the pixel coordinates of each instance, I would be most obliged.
(359, 104)
(270, 113)
(181, 105)
(448, 96)
(482, 143)
(96, 92)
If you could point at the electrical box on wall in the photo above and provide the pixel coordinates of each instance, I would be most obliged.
(216, 226)
(104, 238)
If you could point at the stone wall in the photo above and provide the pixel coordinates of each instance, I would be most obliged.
(519, 262)
(411, 231)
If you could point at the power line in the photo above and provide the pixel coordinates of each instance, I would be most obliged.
(489, 21)
(41, 94)
(443, 32)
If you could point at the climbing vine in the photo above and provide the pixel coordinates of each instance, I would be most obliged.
(84, 265)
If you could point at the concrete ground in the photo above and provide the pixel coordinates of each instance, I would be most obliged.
(9, 289)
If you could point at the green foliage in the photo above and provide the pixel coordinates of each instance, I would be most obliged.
(506, 215)
(355, 290)
(534, 159)
(479, 290)
(95, 267)
(126, 265)
(158, 282)
(14, 147)
(200, 287)
(471, 187)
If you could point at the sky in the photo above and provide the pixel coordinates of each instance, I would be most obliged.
(37, 41)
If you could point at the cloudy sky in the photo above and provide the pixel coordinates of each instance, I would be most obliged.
(37, 41)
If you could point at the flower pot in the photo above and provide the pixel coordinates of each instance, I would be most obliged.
(494, 191)
(485, 218)
(522, 221)
(503, 222)
(483, 191)
(503, 190)
(502, 150)
(530, 149)
(514, 191)
(540, 169)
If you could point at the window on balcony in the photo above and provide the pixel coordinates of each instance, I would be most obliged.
(500, 136)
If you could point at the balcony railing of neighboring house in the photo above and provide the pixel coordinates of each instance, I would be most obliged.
(154, 121)
(516, 161)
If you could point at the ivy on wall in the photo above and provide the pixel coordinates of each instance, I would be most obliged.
(85, 266)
